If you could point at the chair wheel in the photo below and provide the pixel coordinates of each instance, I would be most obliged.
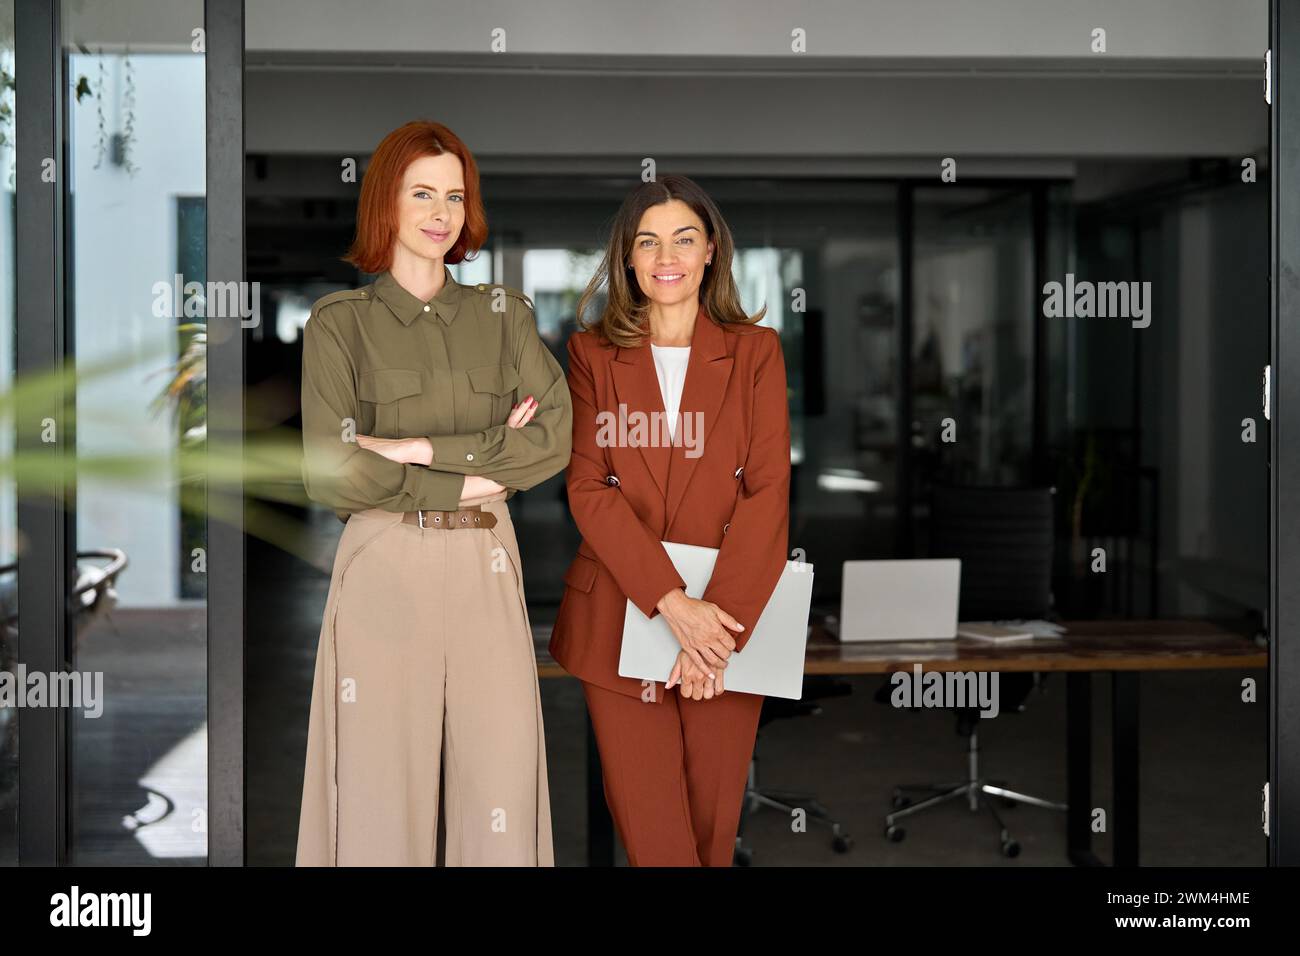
(842, 843)
(1010, 849)
(900, 801)
(743, 857)
(895, 834)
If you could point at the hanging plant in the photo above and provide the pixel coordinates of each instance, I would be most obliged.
(122, 142)
(127, 136)
(101, 145)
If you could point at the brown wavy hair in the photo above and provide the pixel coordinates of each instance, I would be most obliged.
(372, 249)
(624, 321)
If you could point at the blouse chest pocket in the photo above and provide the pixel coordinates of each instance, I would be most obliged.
(394, 394)
(491, 390)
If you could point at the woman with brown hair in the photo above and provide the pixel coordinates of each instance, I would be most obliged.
(426, 404)
(673, 346)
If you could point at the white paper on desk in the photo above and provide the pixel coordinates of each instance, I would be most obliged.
(993, 633)
(1037, 628)
(773, 659)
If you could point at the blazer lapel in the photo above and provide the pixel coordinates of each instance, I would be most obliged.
(637, 388)
(707, 371)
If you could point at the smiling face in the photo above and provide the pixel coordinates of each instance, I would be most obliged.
(669, 252)
(431, 205)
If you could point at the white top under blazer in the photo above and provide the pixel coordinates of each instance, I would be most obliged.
(670, 366)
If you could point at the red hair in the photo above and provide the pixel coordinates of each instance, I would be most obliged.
(372, 249)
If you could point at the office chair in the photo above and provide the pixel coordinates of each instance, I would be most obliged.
(815, 687)
(1003, 537)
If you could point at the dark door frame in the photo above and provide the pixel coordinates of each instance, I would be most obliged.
(43, 344)
(224, 24)
(46, 520)
(1283, 803)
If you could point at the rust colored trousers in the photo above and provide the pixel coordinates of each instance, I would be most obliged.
(674, 772)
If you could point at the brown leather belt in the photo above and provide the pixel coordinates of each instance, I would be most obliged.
(472, 516)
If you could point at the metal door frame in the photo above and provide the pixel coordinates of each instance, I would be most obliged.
(46, 511)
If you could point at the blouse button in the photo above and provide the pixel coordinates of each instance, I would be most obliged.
(469, 457)
(725, 527)
(611, 480)
(426, 308)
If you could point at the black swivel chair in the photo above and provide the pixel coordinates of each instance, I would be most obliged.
(1003, 537)
(815, 687)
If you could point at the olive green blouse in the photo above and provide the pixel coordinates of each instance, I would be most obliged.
(378, 361)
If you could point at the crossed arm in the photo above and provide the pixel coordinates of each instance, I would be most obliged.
(337, 471)
(350, 472)
(518, 457)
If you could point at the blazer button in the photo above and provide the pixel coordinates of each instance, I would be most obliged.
(611, 480)
(725, 527)
(739, 471)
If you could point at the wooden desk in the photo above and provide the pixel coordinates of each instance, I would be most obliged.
(1086, 646)
(1123, 648)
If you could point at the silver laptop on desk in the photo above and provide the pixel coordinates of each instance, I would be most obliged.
(899, 600)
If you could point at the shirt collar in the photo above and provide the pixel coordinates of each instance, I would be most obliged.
(408, 308)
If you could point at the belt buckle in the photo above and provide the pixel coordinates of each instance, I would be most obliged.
(420, 516)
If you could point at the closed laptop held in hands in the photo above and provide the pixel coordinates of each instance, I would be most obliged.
(773, 659)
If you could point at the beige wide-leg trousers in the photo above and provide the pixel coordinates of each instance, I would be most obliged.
(425, 668)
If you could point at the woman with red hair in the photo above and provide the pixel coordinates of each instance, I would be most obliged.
(426, 404)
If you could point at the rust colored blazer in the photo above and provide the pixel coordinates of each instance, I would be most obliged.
(727, 486)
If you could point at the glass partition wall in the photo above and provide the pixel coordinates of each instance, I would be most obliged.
(135, 237)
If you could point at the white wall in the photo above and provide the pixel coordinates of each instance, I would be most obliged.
(123, 234)
(929, 29)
